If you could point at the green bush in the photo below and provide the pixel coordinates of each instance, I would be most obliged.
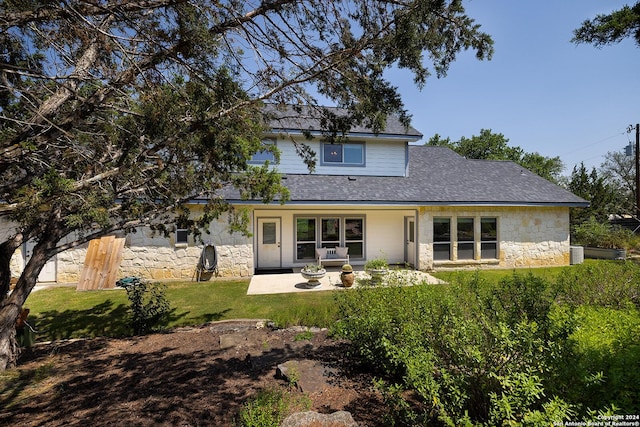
(523, 351)
(471, 354)
(606, 356)
(149, 305)
(596, 234)
(270, 407)
(612, 284)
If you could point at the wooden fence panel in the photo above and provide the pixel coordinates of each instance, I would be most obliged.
(101, 264)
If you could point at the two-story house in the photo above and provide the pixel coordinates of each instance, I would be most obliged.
(379, 196)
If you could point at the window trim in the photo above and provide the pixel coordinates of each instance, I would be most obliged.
(319, 243)
(459, 242)
(491, 242)
(342, 163)
(443, 243)
(477, 240)
(271, 160)
(181, 242)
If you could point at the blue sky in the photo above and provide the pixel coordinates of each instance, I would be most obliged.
(542, 92)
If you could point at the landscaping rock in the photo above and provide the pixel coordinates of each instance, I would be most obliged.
(315, 419)
(309, 375)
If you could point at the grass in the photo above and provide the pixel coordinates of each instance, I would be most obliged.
(63, 312)
(548, 273)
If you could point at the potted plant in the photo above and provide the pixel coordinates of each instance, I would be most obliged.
(313, 273)
(346, 276)
(377, 268)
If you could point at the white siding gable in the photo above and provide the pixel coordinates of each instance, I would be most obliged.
(383, 157)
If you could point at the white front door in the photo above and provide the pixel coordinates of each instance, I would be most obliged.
(48, 273)
(410, 240)
(269, 251)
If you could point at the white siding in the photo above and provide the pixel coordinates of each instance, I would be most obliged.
(382, 158)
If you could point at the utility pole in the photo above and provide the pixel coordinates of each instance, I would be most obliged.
(637, 173)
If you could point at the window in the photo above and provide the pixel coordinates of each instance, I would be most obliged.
(343, 154)
(354, 236)
(469, 235)
(269, 233)
(305, 238)
(265, 155)
(465, 237)
(489, 238)
(441, 239)
(329, 232)
(182, 236)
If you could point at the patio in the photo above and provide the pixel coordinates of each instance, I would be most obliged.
(263, 284)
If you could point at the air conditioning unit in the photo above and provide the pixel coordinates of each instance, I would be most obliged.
(576, 255)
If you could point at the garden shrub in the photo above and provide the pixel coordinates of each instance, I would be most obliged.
(614, 284)
(595, 234)
(524, 351)
(604, 371)
(469, 354)
(149, 305)
(270, 406)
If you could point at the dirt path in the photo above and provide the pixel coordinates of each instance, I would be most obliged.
(189, 377)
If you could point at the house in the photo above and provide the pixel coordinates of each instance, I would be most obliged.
(379, 195)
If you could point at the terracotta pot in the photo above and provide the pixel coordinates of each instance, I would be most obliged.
(347, 278)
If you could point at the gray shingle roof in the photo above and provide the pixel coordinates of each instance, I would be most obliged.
(308, 119)
(437, 176)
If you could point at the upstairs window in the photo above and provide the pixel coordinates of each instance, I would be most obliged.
(349, 154)
(265, 155)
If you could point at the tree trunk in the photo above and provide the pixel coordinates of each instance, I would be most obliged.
(9, 350)
(11, 304)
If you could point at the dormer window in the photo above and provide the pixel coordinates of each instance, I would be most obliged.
(348, 154)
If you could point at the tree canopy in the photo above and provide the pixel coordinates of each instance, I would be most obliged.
(607, 29)
(494, 146)
(619, 172)
(602, 197)
(116, 113)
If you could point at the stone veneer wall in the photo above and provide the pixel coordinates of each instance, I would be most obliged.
(152, 256)
(527, 236)
(163, 262)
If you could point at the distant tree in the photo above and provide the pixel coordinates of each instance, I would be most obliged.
(595, 189)
(619, 172)
(115, 113)
(493, 146)
(610, 29)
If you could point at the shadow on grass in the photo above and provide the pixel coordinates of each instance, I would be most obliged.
(103, 320)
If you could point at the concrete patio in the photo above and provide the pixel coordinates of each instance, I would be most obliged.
(263, 284)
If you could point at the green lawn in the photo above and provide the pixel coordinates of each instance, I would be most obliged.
(496, 275)
(63, 312)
